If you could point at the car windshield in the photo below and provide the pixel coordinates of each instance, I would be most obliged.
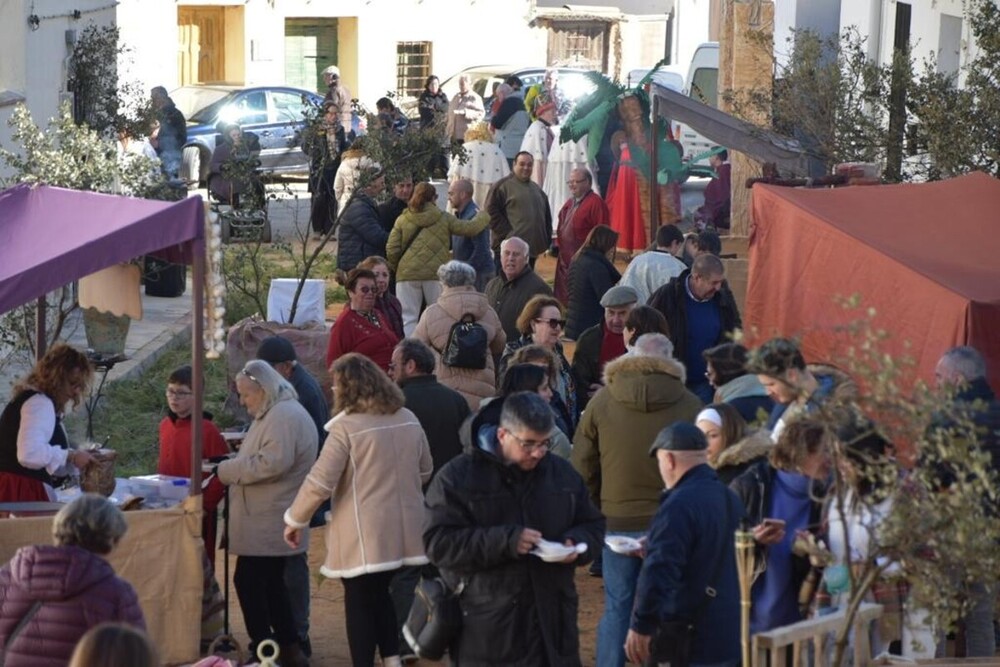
(210, 111)
(190, 100)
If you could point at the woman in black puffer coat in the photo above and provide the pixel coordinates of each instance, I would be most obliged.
(591, 275)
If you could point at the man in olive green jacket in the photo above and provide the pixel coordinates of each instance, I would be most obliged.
(643, 393)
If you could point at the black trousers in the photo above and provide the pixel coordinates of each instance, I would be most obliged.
(370, 617)
(260, 587)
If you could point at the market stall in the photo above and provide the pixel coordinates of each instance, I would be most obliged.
(924, 256)
(50, 237)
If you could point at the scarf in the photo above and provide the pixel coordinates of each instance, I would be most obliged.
(612, 346)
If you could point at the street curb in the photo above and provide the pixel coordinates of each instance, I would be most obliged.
(174, 335)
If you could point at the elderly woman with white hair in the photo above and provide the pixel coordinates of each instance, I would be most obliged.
(459, 301)
(54, 594)
(276, 455)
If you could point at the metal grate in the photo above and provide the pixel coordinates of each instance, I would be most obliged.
(413, 66)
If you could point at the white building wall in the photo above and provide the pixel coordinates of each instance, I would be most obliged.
(149, 28)
(33, 62)
(876, 18)
(819, 16)
(463, 32)
(690, 28)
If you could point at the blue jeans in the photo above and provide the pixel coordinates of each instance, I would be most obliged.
(621, 573)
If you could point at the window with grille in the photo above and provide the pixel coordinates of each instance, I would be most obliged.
(582, 44)
(413, 66)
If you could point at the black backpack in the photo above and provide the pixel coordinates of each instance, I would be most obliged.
(468, 344)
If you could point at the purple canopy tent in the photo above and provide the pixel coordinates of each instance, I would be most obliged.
(52, 236)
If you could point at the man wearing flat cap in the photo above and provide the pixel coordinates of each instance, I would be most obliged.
(643, 391)
(688, 575)
(603, 342)
(339, 94)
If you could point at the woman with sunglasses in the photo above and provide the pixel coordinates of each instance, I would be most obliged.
(361, 327)
(541, 322)
(278, 451)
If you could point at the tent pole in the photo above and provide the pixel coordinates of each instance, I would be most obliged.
(654, 167)
(197, 359)
(40, 327)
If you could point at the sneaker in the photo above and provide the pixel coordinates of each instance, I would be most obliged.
(408, 657)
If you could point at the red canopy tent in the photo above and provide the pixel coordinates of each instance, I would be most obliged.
(50, 237)
(925, 256)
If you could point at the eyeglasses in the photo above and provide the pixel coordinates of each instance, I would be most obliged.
(249, 375)
(553, 323)
(530, 446)
(364, 289)
(174, 393)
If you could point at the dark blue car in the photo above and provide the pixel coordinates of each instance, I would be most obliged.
(274, 113)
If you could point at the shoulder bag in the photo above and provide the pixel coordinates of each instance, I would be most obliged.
(435, 619)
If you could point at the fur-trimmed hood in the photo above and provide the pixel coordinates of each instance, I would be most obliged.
(754, 445)
(645, 383)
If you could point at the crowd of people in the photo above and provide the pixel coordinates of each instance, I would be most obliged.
(467, 442)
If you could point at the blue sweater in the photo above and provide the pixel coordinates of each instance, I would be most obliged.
(775, 596)
(704, 326)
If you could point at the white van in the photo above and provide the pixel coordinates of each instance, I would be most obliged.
(702, 84)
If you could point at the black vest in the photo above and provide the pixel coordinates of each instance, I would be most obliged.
(10, 425)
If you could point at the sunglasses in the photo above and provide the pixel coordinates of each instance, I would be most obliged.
(553, 323)
(364, 289)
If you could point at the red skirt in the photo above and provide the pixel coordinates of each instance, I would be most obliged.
(625, 208)
(19, 489)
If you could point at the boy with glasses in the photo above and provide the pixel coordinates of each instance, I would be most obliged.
(175, 446)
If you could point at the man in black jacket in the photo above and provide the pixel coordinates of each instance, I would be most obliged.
(441, 411)
(702, 313)
(172, 133)
(492, 516)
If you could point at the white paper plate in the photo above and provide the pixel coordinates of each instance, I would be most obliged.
(552, 552)
(622, 544)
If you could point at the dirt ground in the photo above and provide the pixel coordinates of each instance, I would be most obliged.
(329, 637)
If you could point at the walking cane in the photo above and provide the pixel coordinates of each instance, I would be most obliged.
(744, 568)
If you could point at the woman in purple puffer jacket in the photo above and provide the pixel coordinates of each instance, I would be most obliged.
(51, 595)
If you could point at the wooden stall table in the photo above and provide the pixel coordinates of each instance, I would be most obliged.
(160, 556)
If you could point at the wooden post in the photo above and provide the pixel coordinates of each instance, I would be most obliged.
(746, 63)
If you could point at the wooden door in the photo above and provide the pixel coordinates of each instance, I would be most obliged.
(310, 47)
(202, 51)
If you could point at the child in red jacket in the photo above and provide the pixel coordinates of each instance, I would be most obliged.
(175, 447)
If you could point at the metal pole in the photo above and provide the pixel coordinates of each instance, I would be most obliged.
(654, 167)
(40, 342)
(197, 359)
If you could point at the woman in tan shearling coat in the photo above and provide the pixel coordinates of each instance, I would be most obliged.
(373, 465)
(458, 299)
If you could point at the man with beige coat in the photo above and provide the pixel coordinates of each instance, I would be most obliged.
(464, 109)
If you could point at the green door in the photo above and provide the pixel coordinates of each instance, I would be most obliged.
(310, 47)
